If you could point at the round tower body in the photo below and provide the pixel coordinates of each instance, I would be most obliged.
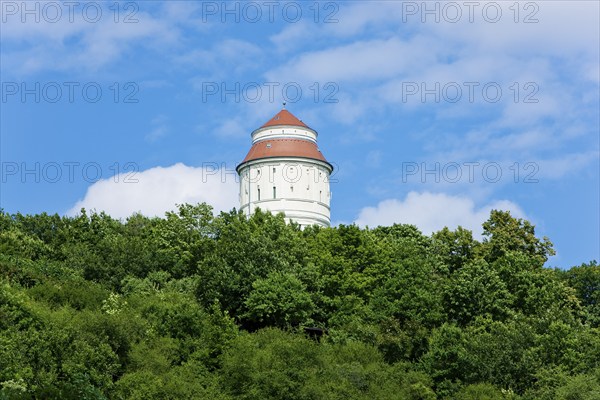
(284, 171)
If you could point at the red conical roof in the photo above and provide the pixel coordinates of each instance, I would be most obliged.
(284, 117)
(284, 148)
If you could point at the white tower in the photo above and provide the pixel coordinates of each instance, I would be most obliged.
(284, 171)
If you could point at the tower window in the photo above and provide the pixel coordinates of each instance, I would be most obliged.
(258, 194)
(274, 192)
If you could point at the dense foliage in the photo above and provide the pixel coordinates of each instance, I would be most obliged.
(192, 306)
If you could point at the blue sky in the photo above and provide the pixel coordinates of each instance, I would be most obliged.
(432, 113)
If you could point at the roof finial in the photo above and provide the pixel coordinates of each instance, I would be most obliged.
(284, 105)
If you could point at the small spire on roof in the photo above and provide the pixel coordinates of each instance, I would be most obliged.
(284, 105)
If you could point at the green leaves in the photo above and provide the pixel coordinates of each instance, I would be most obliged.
(585, 279)
(200, 306)
(280, 299)
(271, 364)
(506, 234)
(476, 290)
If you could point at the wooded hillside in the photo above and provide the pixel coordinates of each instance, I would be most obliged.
(192, 306)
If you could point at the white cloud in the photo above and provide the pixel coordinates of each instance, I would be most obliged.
(356, 17)
(561, 28)
(156, 190)
(568, 165)
(231, 129)
(159, 128)
(292, 36)
(223, 60)
(74, 42)
(360, 60)
(381, 44)
(431, 212)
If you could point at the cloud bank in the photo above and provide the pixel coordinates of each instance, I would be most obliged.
(156, 190)
(431, 212)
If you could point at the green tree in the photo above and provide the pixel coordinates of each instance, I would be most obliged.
(476, 290)
(244, 251)
(585, 279)
(480, 391)
(504, 234)
(455, 248)
(280, 299)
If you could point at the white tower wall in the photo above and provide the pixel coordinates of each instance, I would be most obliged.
(297, 187)
(285, 172)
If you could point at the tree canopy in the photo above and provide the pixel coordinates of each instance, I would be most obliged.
(197, 306)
